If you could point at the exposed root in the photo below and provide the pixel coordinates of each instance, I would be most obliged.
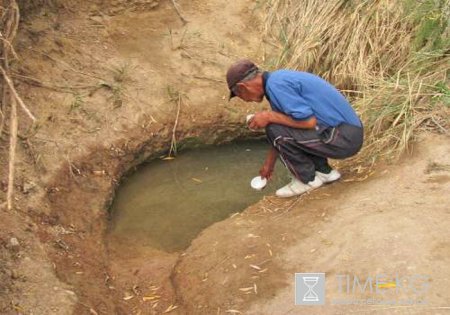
(173, 143)
(16, 95)
(10, 97)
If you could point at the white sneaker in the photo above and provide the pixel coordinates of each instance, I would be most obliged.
(330, 177)
(296, 187)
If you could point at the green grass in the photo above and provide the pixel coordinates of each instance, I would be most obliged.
(431, 18)
(76, 103)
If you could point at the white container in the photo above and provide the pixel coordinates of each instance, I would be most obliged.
(258, 183)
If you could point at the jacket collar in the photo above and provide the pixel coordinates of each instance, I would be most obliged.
(265, 77)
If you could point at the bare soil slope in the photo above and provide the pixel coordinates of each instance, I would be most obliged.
(105, 81)
(394, 223)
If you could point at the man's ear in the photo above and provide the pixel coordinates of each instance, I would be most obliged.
(241, 87)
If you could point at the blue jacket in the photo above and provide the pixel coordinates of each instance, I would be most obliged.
(302, 95)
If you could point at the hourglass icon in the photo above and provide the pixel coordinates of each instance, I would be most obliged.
(310, 295)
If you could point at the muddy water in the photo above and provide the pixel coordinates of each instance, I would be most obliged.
(166, 204)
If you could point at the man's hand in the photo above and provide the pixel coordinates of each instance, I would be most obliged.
(260, 120)
(266, 170)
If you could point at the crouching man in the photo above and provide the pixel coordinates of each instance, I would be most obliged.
(309, 121)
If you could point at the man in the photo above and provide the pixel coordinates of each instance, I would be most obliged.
(310, 121)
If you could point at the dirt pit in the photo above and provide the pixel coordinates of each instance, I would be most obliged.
(247, 263)
(165, 204)
(106, 86)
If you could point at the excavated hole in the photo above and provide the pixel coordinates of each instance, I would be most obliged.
(165, 204)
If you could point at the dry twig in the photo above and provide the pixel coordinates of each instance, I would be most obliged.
(12, 153)
(9, 93)
(16, 95)
(173, 144)
(175, 5)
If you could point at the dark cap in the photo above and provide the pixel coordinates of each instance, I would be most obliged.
(238, 71)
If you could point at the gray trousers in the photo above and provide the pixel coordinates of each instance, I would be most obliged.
(305, 151)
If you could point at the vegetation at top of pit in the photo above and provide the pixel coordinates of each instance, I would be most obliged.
(391, 58)
(432, 20)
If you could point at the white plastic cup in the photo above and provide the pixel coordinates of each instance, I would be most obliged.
(258, 183)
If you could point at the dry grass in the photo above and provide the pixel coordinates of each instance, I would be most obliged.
(369, 50)
(394, 108)
(344, 42)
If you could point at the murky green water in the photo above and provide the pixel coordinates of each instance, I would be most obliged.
(166, 204)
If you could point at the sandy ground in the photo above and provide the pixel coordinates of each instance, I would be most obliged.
(395, 223)
(105, 81)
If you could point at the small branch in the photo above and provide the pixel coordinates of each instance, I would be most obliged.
(8, 45)
(175, 5)
(2, 122)
(173, 144)
(16, 95)
(440, 127)
(9, 31)
(12, 154)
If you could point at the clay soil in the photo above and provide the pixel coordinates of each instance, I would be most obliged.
(105, 81)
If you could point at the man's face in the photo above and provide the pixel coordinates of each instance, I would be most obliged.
(250, 91)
